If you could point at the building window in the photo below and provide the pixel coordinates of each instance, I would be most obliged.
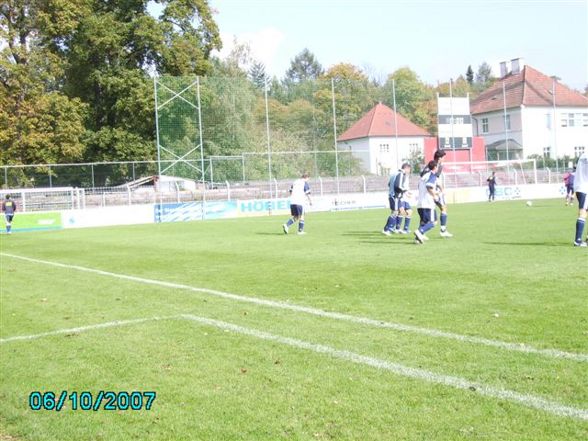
(548, 120)
(547, 152)
(579, 151)
(384, 148)
(507, 121)
(413, 146)
(564, 120)
(484, 125)
(585, 119)
(571, 120)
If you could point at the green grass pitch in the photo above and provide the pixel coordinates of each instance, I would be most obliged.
(510, 276)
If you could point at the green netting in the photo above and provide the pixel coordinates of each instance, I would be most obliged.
(244, 129)
(178, 126)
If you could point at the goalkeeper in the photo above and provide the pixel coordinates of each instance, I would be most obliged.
(9, 208)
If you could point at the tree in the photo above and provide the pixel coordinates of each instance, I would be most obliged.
(108, 57)
(470, 75)
(354, 95)
(38, 123)
(413, 97)
(484, 77)
(258, 76)
(303, 67)
(87, 63)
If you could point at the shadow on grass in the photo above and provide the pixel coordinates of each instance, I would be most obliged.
(389, 242)
(363, 233)
(534, 244)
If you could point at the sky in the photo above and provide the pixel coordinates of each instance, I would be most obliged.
(437, 39)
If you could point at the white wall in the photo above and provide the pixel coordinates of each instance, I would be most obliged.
(360, 148)
(374, 160)
(562, 140)
(529, 128)
(496, 126)
(396, 156)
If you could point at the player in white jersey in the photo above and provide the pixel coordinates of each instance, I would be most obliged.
(427, 200)
(581, 189)
(299, 195)
(439, 158)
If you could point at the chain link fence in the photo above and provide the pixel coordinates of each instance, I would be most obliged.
(230, 133)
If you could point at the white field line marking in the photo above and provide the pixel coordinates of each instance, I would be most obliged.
(532, 401)
(79, 329)
(527, 400)
(516, 347)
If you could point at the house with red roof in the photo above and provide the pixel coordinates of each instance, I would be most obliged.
(383, 139)
(529, 113)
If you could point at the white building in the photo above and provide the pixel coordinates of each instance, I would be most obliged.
(383, 140)
(529, 113)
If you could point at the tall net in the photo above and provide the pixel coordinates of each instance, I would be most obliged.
(179, 131)
(469, 174)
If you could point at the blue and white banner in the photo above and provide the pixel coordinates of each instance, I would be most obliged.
(190, 211)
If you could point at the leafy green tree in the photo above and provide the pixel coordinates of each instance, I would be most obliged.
(108, 60)
(75, 76)
(413, 97)
(38, 123)
(303, 67)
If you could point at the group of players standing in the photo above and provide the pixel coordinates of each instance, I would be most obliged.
(430, 195)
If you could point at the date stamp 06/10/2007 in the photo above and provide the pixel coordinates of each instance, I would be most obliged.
(102, 400)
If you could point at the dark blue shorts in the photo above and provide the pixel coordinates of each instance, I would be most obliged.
(427, 215)
(296, 210)
(9, 217)
(570, 189)
(405, 205)
(394, 203)
(582, 200)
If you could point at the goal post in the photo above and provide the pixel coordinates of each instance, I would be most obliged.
(475, 173)
(45, 199)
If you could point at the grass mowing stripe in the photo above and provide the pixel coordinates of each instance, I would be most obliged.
(406, 371)
(517, 347)
(81, 329)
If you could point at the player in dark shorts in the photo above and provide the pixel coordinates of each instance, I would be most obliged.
(581, 190)
(491, 186)
(569, 184)
(9, 208)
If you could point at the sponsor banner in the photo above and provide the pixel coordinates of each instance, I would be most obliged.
(261, 207)
(191, 211)
(142, 214)
(504, 193)
(354, 201)
(35, 221)
(107, 216)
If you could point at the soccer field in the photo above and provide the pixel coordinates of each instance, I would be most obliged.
(245, 333)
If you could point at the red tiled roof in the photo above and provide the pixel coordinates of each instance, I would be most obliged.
(529, 88)
(379, 121)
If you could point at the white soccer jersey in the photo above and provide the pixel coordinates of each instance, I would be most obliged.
(298, 192)
(581, 178)
(425, 200)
